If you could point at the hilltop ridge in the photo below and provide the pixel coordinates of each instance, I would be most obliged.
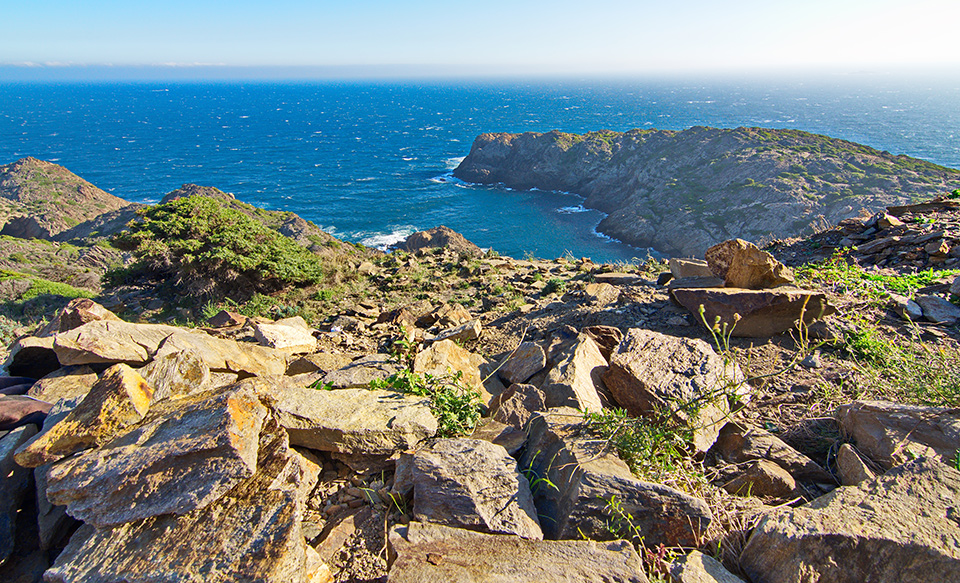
(680, 192)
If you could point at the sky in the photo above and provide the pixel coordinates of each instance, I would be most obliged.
(379, 37)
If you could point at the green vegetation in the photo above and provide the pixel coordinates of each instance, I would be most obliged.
(843, 277)
(41, 298)
(209, 250)
(456, 407)
(554, 285)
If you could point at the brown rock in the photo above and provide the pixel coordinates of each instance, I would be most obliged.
(110, 341)
(445, 357)
(851, 469)
(119, 399)
(901, 527)
(441, 237)
(177, 374)
(226, 319)
(527, 360)
(362, 371)
(741, 264)
(506, 436)
(291, 336)
(516, 405)
(762, 313)
(601, 294)
(64, 383)
(762, 478)
(696, 567)
(32, 356)
(322, 362)
(607, 338)
(19, 410)
(463, 333)
(684, 268)
(77, 313)
(738, 444)
(432, 552)
(577, 377)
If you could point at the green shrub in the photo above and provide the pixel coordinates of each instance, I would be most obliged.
(456, 407)
(210, 250)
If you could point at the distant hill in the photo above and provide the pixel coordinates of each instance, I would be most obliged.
(680, 192)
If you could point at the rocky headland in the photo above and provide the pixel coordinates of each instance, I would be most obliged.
(183, 406)
(679, 192)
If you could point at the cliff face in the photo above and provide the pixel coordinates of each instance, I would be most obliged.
(681, 192)
(40, 199)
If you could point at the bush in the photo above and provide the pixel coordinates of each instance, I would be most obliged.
(211, 250)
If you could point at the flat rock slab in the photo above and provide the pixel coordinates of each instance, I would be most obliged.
(938, 310)
(225, 355)
(903, 527)
(527, 360)
(360, 372)
(177, 374)
(356, 421)
(64, 383)
(179, 459)
(891, 433)
(111, 341)
(469, 483)
(575, 480)
(291, 337)
(251, 533)
(653, 373)
(762, 313)
(432, 552)
(119, 399)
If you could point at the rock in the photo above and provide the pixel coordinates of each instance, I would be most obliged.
(251, 533)
(684, 268)
(64, 383)
(574, 482)
(25, 569)
(441, 236)
(737, 444)
(696, 567)
(111, 341)
(226, 319)
(762, 478)
(516, 405)
(902, 527)
(741, 264)
(32, 356)
(291, 335)
(696, 282)
(354, 420)
(575, 379)
(508, 437)
(432, 552)
(851, 469)
(336, 534)
(527, 360)
(445, 358)
(452, 315)
(618, 278)
(463, 333)
(652, 373)
(886, 221)
(608, 338)
(119, 399)
(322, 362)
(469, 483)
(181, 458)
(15, 483)
(224, 355)
(601, 294)
(177, 374)
(938, 310)
(762, 313)
(955, 284)
(361, 371)
(19, 410)
(905, 307)
(891, 434)
(76, 313)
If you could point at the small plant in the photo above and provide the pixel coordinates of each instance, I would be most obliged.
(456, 407)
(320, 385)
(622, 524)
(554, 285)
(653, 449)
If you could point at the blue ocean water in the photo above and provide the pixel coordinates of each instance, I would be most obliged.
(371, 161)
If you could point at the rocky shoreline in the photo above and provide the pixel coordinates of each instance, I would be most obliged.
(444, 414)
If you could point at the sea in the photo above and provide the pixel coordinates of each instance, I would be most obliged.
(370, 161)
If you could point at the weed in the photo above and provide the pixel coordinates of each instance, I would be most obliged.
(956, 460)
(622, 524)
(456, 407)
(554, 285)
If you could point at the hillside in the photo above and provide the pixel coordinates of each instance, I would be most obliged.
(681, 192)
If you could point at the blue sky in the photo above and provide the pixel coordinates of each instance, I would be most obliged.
(495, 36)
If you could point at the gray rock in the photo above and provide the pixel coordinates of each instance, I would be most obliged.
(902, 527)
(506, 436)
(15, 483)
(360, 372)
(696, 567)
(737, 444)
(656, 373)
(432, 552)
(321, 362)
(938, 310)
(517, 404)
(851, 468)
(577, 376)
(891, 434)
(955, 284)
(618, 278)
(471, 484)
(608, 338)
(527, 360)
(575, 481)
(181, 458)
(601, 294)
(905, 307)
(53, 521)
(251, 533)
(354, 420)
(762, 313)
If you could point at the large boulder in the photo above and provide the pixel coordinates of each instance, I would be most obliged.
(184, 456)
(111, 341)
(443, 237)
(119, 399)
(576, 484)
(354, 420)
(468, 483)
(653, 373)
(892, 433)
(575, 379)
(741, 264)
(76, 313)
(517, 404)
(445, 357)
(15, 482)
(360, 372)
(761, 313)
(432, 552)
(902, 527)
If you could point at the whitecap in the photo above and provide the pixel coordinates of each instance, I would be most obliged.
(384, 241)
(569, 210)
(452, 163)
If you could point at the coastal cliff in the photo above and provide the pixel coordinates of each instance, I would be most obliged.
(680, 192)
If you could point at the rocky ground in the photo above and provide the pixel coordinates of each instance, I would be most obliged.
(328, 433)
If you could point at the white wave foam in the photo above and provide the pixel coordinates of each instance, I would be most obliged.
(383, 241)
(452, 163)
(569, 210)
